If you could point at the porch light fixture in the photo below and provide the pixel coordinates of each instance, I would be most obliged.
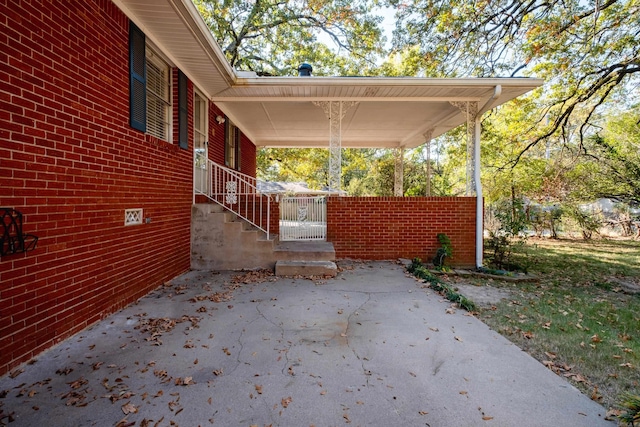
(220, 119)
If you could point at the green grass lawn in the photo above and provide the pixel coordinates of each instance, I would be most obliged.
(576, 319)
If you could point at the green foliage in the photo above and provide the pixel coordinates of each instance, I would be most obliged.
(506, 246)
(419, 270)
(544, 218)
(512, 216)
(631, 404)
(588, 222)
(587, 53)
(273, 37)
(615, 155)
(444, 251)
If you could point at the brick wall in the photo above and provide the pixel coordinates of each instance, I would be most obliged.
(377, 228)
(71, 164)
(247, 156)
(217, 144)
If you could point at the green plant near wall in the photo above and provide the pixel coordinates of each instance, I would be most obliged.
(631, 415)
(444, 251)
(420, 271)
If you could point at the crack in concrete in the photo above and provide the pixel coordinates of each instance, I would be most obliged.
(282, 339)
(367, 373)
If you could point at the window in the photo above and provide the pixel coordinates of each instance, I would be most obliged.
(149, 87)
(232, 146)
(158, 97)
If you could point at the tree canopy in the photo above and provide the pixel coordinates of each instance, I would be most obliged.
(273, 37)
(588, 53)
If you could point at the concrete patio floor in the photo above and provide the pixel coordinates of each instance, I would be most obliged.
(372, 347)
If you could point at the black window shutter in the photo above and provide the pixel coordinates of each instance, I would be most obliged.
(238, 153)
(227, 143)
(137, 79)
(183, 112)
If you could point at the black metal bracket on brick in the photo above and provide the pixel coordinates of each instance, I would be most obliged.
(13, 240)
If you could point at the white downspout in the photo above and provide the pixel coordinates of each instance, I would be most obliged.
(476, 172)
(479, 200)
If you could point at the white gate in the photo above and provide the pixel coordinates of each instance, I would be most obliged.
(303, 218)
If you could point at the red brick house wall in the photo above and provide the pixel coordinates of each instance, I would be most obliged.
(247, 156)
(217, 144)
(70, 162)
(377, 228)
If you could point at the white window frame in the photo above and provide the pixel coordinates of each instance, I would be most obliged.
(232, 141)
(159, 104)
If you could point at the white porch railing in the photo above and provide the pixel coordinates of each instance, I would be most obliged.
(235, 191)
(303, 218)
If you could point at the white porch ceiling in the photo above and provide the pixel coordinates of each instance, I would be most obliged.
(391, 112)
(279, 111)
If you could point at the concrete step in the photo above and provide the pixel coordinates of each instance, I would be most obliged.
(306, 268)
(308, 251)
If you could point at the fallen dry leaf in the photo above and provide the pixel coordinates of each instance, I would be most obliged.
(125, 423)
(16, 372)
(285, 401)
(184, 382)
(63, 371)
(487, 418)
(129, 408)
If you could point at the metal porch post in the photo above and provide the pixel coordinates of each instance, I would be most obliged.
(428, 136)
(398, 182)
(335, 111)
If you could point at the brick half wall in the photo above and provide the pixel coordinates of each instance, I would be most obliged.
(378, 228)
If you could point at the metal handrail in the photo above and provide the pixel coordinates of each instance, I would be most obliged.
(236, 192)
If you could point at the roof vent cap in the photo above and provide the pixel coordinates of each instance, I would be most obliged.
(304, 70)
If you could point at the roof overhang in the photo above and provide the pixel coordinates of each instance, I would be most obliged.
(390, 111)
(280, 111)
(178, 30)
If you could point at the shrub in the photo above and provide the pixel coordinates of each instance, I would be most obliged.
(444, 251)
(631, 415)
(420, 271)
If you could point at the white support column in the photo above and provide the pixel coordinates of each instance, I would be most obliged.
(479, 197)
(335, 111)
(398, 182)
